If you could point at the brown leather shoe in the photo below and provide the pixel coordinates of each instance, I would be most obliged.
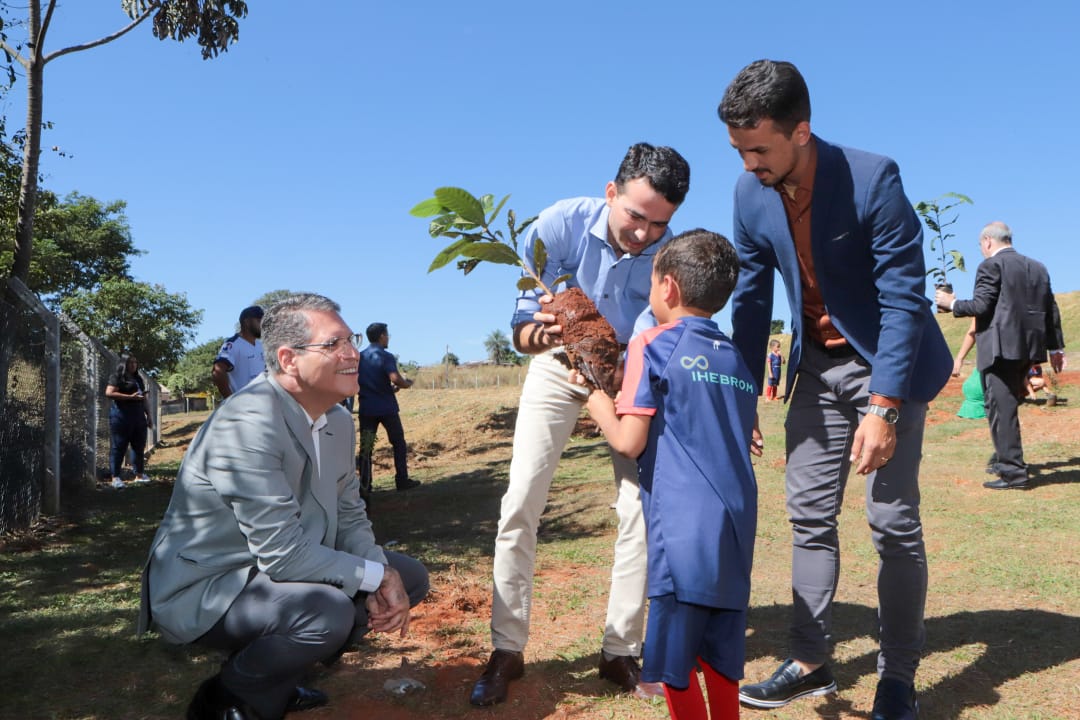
(502, 667)
(622, 670)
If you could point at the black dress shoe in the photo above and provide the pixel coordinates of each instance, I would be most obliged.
(213, 702)
(306, 699)
(502, 667)
(1001, 483)
(622, 670)
(407, 485)
(894, 700)
(787, 684)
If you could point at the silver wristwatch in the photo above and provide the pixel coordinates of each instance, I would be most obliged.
(889, 414)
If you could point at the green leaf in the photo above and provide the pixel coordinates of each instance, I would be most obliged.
(495, 213)
(539, 256)
(448, 253)
(958, 260)
(526, 283)
(561, 279)
(462, 202)
(427, 208)
(441, 224)
(491, 252)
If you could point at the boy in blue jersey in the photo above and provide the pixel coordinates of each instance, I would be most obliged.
(687, 411)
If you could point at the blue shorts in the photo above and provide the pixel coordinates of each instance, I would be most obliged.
(679, 633)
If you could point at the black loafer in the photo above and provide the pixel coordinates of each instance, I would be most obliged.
(622, 670)
(306, 699)
(894, 700)
(787, 684)
(492, 687)
(1003, 484)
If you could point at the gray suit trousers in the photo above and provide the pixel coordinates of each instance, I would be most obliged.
(828, 402)
(274, 632)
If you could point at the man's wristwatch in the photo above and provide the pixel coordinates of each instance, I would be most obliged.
(889, 414)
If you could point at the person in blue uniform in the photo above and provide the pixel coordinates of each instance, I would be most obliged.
(686, 411)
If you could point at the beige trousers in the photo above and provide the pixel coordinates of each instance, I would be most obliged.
(547, 412)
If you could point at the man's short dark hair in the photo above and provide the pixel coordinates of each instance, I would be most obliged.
(667, 171)
(375, 331)
(705, 266)
(766, 89)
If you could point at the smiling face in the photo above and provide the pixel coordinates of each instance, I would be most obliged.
(321, 377)
(771, 155)
(639, 215)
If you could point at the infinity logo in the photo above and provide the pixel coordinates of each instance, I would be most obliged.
(700, 361)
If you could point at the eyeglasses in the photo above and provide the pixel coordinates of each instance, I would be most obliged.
(334, 344)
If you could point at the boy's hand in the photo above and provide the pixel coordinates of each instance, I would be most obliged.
(757, 440)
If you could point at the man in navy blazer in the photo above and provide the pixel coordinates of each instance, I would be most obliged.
(266, 551)
(866, 357)
(1016, 320)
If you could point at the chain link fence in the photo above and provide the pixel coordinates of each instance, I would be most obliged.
(54, 417)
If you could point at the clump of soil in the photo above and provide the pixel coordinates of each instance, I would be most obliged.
(590, 341)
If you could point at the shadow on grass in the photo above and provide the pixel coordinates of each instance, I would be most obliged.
(1056, 472)
(1013, 642)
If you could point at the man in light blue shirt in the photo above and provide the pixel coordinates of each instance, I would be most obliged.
(606, 245)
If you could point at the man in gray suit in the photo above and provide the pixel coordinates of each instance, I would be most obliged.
(265, 551)
(1016, 321)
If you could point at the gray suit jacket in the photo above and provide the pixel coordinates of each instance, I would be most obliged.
(1016, 316)
(250, 497)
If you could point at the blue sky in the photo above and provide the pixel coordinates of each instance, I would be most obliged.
(292, 160)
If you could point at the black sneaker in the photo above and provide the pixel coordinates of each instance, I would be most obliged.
(895, 700)
(787, 684)
(407, 485)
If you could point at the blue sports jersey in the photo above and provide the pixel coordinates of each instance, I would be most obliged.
(697, 483)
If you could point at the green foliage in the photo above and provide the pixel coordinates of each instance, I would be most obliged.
(776, 327)
(213, 23)
(468, 221)
(267, 300)
(409, 367)
(499, 349)
(79, 242)
(932, 212)
(192, 372)
(450, 359)
(135, 316)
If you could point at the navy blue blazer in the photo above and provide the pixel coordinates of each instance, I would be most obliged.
(867, 245)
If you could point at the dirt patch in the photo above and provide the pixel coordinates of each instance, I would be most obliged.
(590, 342)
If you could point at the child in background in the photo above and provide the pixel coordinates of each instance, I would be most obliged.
(775, 361)
(686, 411)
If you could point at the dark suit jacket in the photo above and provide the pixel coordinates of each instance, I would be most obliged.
(867, 245)
(1016, 316)
(249, 497)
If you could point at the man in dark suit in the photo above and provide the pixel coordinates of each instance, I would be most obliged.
(265, 551)
(1016, 321)
(867, 354)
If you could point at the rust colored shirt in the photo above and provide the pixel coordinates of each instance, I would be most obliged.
(797, 200)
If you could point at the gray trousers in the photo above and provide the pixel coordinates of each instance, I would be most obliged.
(829, 400)
(275, 631)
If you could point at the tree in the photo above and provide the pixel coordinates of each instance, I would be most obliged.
(192, 371)
(450, 359)
(272, 298)
(213, 22)
(80, 242)
(142, 318)
(776, 327)
(498, 348)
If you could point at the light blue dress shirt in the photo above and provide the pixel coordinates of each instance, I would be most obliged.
(574, 233)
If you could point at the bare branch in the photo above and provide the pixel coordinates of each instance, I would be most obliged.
(101, 41)
(14, 54)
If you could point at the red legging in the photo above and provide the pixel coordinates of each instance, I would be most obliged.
(689, 704)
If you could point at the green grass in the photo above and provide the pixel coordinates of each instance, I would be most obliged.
(1003, 612)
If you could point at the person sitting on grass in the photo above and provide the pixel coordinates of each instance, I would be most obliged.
(686, 412)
